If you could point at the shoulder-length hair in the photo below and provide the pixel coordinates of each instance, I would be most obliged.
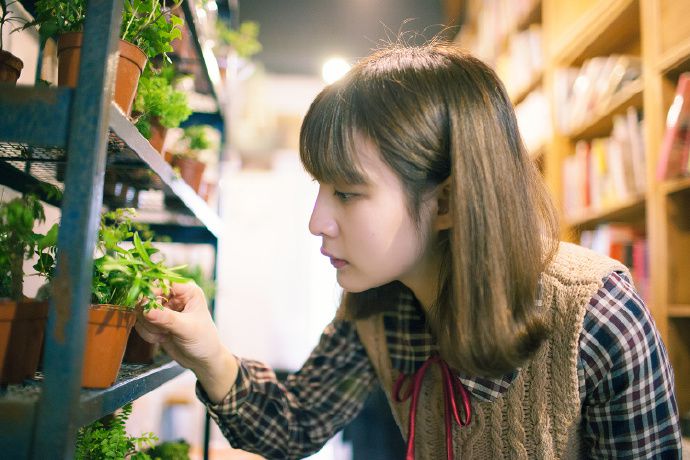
(436, 112)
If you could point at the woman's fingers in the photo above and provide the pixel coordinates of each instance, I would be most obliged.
(149, 335)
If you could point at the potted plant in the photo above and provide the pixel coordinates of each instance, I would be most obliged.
(169, 450)
(147, 30)
(187, 158)
(10, 65)
(160, 106)
(108, 439)
(22, 321)
(124, 280)
(243, 42)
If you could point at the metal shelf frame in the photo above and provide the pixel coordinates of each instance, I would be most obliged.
(78, 141)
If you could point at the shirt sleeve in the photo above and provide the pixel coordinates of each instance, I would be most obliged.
(295, 418)
(629, 408)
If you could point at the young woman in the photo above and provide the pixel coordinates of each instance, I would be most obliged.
(490, 339)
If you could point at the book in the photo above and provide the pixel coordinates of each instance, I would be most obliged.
(673, 160)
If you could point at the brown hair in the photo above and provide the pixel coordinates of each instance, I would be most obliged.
(435, 112)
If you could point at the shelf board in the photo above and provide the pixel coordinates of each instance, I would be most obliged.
(607, 27)
(132, 165)
(679, 311)
(675, 185)
(521, 93)
(675, 60)
(36, 115)
(141, 151)
(601, 122)
(625, 210)
(20, 401)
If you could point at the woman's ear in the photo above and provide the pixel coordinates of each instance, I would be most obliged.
(444, 219)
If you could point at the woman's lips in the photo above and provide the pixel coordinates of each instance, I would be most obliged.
(337, 263)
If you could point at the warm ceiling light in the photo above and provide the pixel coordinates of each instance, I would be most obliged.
(333, 69)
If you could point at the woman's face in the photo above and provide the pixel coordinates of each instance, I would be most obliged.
(367, 231)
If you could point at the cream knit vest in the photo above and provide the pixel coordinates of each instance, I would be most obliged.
(538, 417)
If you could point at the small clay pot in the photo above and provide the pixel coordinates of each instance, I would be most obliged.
(22, 328)
(106, 337)
(191, 171)
(129, 68)
(138, 350)
(158, 133)
(10, 67)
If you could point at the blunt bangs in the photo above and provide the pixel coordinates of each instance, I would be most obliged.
(327, 138)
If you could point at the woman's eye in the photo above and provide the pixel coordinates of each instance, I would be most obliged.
(344, 196)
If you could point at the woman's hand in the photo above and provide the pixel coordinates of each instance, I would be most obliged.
(187, 333)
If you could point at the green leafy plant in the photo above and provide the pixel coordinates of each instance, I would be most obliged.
(148, 24)
(129, 277)
(151, 26)
(109, 440)
(169, 450)
(244, 40)
(156, 97)
(18, 241)
(193, 141)
(8, 17)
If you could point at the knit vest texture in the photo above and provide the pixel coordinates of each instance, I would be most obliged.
(538, 416)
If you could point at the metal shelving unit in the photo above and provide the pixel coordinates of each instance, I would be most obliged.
(78, 141)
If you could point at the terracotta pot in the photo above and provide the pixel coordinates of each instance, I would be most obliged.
(106, 337)
(138, 350)
(129, 68)
(190, 170)
(158, 133)
(10, 67)
(22, 328)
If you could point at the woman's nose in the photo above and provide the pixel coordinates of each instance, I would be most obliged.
(322, 221)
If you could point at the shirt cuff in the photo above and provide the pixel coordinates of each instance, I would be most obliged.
(235, 397)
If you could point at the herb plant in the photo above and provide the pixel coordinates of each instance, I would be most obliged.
(18, 241)
(129, 277)
(194, 140)
(148, 24)
(8, 17)
(156, 97)
(244, 40)
(108, 441)
(170, 450)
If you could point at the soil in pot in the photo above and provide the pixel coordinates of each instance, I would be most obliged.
(22, 328)
(107, 333)
(129, 68)
(10, 67)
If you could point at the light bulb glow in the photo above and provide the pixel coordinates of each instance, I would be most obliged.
(333, 69)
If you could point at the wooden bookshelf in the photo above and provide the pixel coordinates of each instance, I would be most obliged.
(658, 31)
(679, 311)
(627, 211)
(601, 122)
(603, 28)
(521, 93)
(675, 185)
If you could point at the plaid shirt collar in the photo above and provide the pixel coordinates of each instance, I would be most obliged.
(410, 343)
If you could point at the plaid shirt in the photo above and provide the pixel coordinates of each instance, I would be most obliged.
(625, 383)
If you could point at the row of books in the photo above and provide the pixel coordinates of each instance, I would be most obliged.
(523, 61)
(534, 120)
(626, 244)
(606, 171)
(674, 156)
(496, 20)
(580, 93)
